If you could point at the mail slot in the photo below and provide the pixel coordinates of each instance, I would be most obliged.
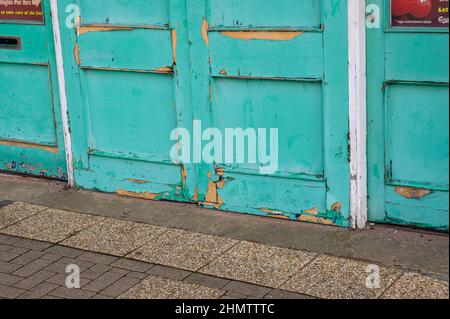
(12, 43)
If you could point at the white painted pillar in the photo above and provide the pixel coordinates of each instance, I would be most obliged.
(62, 91)
(357, 113)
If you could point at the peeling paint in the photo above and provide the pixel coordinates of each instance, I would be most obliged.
(164, 69)
(88, 29)
(312, 211)
(336, 207)
(262, 35)
(274, 214)
(194, 198)
(138, 181)
(412, 193)
(205, 27)
(315, 220)
(143, 195)
(183, 176)
(212, 197)
(76, 54)
(50, 149)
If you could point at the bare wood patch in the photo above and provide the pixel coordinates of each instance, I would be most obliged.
(412, 193)
(205, 27)
(88, 29)
(263, 35)
(143, 195)
(50, 149)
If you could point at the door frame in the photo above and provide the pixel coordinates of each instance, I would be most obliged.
(357, 113)
(62, 92)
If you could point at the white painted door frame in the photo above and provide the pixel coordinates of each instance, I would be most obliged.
(62, 92)
(357, 113)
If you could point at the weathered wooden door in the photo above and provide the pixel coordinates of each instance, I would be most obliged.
(31, 139)
(275, 64)
(138, 69)
(408, 107)
(124, 83)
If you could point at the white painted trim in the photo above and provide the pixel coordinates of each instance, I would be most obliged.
(62, 91)
(357, 113)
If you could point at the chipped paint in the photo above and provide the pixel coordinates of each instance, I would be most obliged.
(315, 220)
(76, 54)
(274, 214)
(205, 27)
(412, 193)
(50, 149)
(312, 211)
(194, 198)
(164, 69)
(87, 29)
(212, 197)
(262, 35)
(138, 181)
(336, 207)
(143, 195)
(183, 176)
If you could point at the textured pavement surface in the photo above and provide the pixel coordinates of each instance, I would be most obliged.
(127, 259)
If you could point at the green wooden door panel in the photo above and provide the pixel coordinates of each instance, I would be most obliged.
(251, 13)
(266, 104)
(417, 134)
(31, 139)
(134, 119)
(27, 111)
(301, 57)
(126, 97)
(408, 126)
(124, 12)
(151, 50)
(420, 57)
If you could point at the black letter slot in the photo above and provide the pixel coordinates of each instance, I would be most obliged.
(12, 43)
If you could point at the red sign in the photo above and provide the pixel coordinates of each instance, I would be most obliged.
(21, 10)
(419, 13)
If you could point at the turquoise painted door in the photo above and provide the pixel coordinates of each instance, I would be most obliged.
(408, 125)
(138, 69)
(275, 64)
(127, 91)
(31, 139)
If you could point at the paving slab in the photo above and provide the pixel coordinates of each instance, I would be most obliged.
(51, 225)
(416, 286)
(259, 264)
(338, 278)
(419, 251)
(159, 288)
(182, 249)
(115, 237)
(16, 212)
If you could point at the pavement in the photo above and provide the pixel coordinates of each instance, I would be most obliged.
(131, 248)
